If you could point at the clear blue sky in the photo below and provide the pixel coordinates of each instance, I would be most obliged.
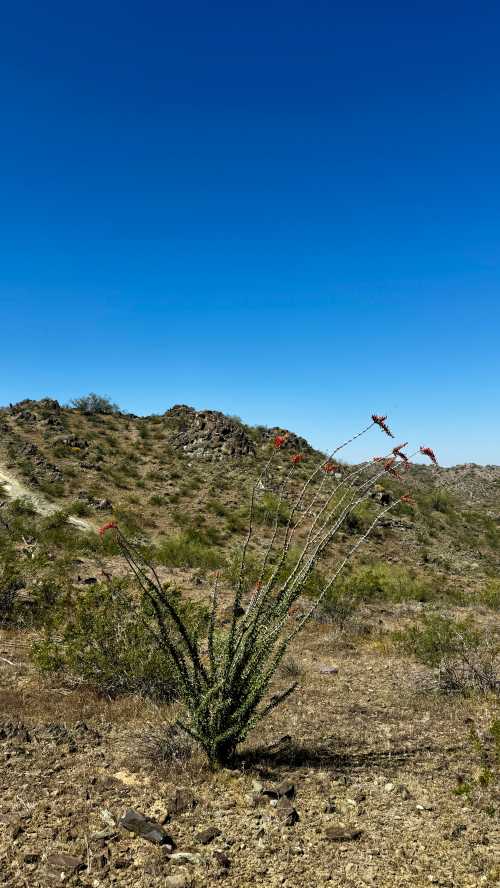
(287, 211)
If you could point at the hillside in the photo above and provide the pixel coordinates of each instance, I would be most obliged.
(190, 472)
(381, 769)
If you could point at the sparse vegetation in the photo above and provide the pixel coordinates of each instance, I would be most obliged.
(93, 404)
(108, 640)
(464, 659)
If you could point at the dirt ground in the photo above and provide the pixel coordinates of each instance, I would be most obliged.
(367, 749)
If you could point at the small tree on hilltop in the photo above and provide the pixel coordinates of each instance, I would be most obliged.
(224, 684)
(92, 404)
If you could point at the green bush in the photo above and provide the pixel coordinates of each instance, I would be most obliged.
(465, 661)
(381, 582)
(105, 639)
(185, 550)
(93, 404)
(435, 637)
(79, 508)
(490, 594)
(269, 508)
(10, 583)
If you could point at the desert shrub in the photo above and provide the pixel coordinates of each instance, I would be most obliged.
(186, 550)
(80, 508)
(166, 743)
(379, 582)
(235, 518)
(196, 528)
(51, 489)
(22, 506)
(291, 668)
(490, 594)
(481, 785)
(269, 509)
(109, 641)
(92, 404)
(158, 500)
(464, 660)
(11, 582)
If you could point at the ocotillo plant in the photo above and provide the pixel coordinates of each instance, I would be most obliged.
(224, 683)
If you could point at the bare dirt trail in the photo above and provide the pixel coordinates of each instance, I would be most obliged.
(15, 489)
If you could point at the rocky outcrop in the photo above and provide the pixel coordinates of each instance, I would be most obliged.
(207, 434)
(292, 442)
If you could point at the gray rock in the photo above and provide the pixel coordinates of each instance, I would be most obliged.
(185, 857)
(208, 835)
(222, 859)
(147, 829)
(286, 812)
(341, 834)
(60, 866)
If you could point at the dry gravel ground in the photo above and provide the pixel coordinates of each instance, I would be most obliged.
(367, 751)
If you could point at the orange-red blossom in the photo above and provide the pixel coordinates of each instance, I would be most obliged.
(381, 422)
(111, 525)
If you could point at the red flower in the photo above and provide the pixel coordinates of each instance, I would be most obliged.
(397, 451)
(297, 458)
(330, 467)
(279, 441)
(427, 451)
(111, 525)
(389, 467)
(381, 421)
(406, 498)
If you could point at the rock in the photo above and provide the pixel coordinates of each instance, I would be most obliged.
(183, 800)
(107, 817)
(179, 881)
(60, 866)
(328, 670)
(147, 829)
(208, 835)
(286, 812)
(103, 836)
(285, 789)
(185, 857)
(341, 834)
(222, 859)
(73, 442)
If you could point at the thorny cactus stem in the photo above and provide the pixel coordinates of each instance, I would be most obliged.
(224, 683)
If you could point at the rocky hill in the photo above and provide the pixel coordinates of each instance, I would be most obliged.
(190, 472)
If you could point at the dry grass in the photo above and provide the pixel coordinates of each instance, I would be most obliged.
(390, 757)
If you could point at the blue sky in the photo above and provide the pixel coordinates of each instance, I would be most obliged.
(285, 211)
